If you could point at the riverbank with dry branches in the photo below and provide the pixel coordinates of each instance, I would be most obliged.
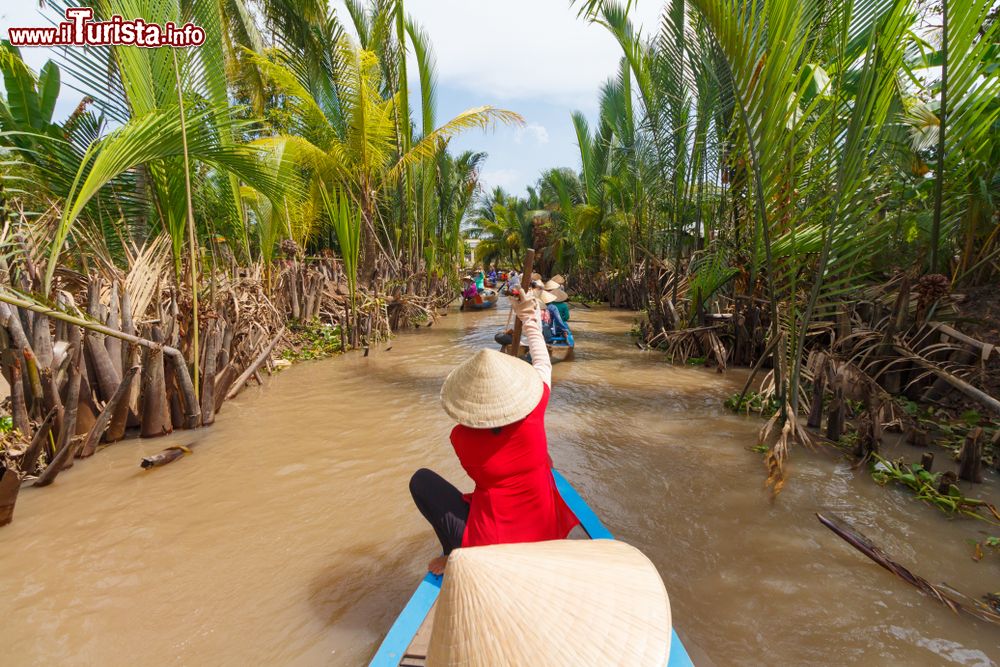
(113, 355)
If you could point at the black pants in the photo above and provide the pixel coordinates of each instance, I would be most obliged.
(442, 505)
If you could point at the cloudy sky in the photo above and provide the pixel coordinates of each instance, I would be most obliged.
(531, 56)
(534, 57)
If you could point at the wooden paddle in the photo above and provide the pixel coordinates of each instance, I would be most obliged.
(529, 262)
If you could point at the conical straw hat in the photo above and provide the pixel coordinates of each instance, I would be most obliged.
(551, 285)
(559, 279)
(536, 276)
(545, 297)
(565, 602)
(491, 389)
(559, 295)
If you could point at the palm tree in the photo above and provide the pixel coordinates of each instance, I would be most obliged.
(503, 225)
(361, 161)
(771, 134)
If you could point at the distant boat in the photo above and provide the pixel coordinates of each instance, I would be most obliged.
(482, 301)
(563, 343)
(555, 345)
(406, 643)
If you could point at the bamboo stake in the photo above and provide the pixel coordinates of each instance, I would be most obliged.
(65, 446)
(35, 448)
(192, 241)
(104, 420)
(172, 353)
(113, 345)
(192, 411)
(11, 320)
(155, 410)
(970, 458)
(10, 485)
(41, 341)
(223, 382)
(212, 346)
(119, 418)
(252, 368)
(529, 262)
(104, 377)
(18, 407)
(50, 389)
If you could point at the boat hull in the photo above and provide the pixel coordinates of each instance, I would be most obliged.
(472, 304)
(398, 650)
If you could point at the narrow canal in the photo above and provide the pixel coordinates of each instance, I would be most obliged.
(288, 536)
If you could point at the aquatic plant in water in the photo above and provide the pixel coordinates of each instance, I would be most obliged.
(927, 487)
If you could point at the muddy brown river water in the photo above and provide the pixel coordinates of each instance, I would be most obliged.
(288, 537)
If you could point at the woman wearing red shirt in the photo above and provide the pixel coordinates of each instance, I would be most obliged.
(499, 403)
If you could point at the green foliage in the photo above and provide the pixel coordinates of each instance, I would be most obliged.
(313, 340)
(753, 402)
(925, 485)
(783, 151)
(947, 429)
(314, 111)
(347, 225)
(971, 417)
(6, 424)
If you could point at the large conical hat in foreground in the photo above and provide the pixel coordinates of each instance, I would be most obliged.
(551, 285)
(561, 603)
(491, 389)
(559, 278)
(559, 295)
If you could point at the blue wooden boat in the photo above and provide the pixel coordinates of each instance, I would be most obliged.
(563, 341)
(486, 299)
(554, 345)
(405, 644)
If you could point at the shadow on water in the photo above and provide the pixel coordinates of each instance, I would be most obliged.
(289, 537)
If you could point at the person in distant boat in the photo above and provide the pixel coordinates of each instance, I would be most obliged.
(561, 302)
(500, 442)
(559, 326)
(469, 290)
(548, 322)
(492, 275)
(506, 338)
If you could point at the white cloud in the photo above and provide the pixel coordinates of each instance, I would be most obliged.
(519, 49)
(534, 130)
(507, 179)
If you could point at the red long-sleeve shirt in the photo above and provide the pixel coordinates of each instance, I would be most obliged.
(515, 499)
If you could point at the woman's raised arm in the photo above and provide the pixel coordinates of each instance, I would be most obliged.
(526, 308)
